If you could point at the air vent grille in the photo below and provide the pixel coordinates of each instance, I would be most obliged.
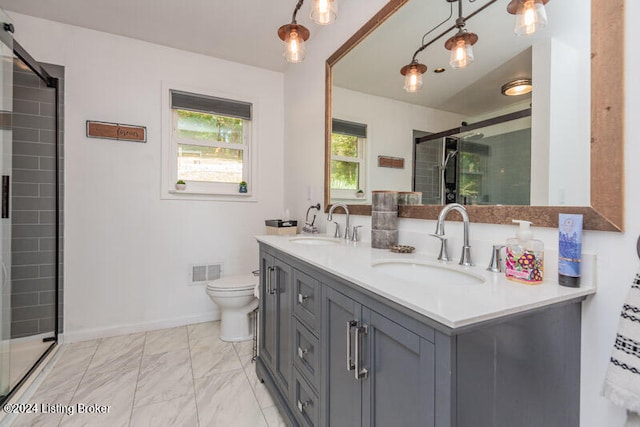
(203, 273)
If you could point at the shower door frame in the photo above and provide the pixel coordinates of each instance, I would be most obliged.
(54, 83)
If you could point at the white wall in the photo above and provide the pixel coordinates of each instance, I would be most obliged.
(616, 263)
(127, 252)
(390, 126)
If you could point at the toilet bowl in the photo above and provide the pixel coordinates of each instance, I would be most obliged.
(234, 296)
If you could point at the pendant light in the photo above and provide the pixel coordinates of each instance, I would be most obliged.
(413, 75)
(531, 15)
(324, 12)
(461, 44)
(461, 49)
(294, 35)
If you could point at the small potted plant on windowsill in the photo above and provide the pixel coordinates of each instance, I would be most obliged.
(242, 187)
(181, 185)
(359, 194)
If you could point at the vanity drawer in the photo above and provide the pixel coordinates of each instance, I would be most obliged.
(307, 354)
(306, 305)
(307, 404)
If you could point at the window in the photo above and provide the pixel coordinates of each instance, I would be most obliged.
(348, 167)
(210, 143)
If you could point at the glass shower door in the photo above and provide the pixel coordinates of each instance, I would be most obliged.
(6, 107)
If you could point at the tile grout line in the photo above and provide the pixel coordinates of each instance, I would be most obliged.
(253, 390)
(135, 392)
(193, 380)
(83, 375)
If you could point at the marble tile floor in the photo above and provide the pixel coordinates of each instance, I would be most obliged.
(182, 376)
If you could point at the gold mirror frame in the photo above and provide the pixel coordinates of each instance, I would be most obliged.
(606, 212)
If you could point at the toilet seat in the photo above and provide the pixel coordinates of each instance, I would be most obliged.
(238, 283)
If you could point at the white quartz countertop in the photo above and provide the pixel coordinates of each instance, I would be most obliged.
(452, 304)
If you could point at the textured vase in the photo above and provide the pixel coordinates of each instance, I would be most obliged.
(384, 219)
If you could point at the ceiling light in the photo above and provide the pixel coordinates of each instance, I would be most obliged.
(294, 36)
(413, 76)
(439, 70)
(324, 12)
(530, 15)
(461, 49)
(517, 87)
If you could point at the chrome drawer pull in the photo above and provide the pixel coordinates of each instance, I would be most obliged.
(360, 373)
(270, 287)
(302, 352)
(302, 298)
(303, 405)
(350, 324)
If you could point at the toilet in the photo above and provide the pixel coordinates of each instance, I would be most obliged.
(235, 298)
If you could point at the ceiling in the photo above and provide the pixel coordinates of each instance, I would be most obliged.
(243, 31)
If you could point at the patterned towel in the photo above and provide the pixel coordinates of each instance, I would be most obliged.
(622, 382)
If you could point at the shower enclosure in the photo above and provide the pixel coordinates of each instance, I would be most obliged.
(31, 222)
(484, 163)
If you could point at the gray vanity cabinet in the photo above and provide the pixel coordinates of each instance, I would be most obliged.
(376, 371)
(275, 319)
(342, 393)
(401, 380)
(334, 354)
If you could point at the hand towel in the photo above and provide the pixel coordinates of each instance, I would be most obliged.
(622, 381)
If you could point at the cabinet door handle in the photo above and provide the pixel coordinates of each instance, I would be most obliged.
(303, 405)
(302, 352)
(268, 279)
(302, 298)
(360, 373)
(350, 324)
(271, 287)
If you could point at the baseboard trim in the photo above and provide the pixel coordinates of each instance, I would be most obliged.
(91, 334)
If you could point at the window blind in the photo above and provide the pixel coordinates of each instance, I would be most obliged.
(210, 104)
(349, 128)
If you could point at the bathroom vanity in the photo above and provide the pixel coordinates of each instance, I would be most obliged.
(355, 336)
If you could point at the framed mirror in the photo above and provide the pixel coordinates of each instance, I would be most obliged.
(598, 190)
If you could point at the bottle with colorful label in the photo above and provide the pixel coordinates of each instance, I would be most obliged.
(525, 256)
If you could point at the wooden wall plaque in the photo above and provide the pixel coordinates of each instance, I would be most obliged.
(117, 131)
(390, 162)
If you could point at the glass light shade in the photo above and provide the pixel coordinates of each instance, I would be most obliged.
(294, 47)
(531, 17)
(324, 12)
(413, 79)
(461, 53)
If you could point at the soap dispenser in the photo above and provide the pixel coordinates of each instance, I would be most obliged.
(525, 256)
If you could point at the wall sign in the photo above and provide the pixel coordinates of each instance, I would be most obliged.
(117, 131)
(390, 162)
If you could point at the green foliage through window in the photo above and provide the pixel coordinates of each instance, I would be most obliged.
(344, 145)
(205, 126)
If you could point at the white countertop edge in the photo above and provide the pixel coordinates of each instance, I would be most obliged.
(364, 256)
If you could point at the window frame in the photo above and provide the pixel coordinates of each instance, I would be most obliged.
(199, 190)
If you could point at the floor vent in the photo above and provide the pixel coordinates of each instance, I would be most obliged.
(203, 273)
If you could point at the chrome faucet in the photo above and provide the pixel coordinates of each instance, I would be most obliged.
(308, 227)
(465, 257)
(330, 218)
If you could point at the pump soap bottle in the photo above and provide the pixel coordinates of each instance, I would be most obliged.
(525, 256)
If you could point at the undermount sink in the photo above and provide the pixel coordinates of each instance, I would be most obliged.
(314, 240)
(425, 272)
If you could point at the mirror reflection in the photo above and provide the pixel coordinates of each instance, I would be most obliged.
(459, 138)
